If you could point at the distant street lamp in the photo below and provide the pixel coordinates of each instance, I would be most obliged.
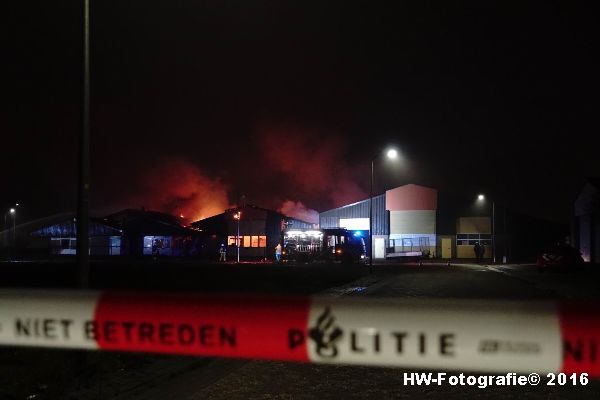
(481, 198)
(13, 212)
(391, 154)
(238, 216)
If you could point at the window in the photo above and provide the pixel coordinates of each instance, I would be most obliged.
(115, 245)
(262, 241)
(254, 241)
(231, 241)
(246, 241)
(469, 239)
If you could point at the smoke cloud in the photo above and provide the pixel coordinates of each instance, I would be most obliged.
(312, 164)
(298, 210)
(302, 167)
(180, 188)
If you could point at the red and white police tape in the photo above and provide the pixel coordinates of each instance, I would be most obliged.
(486, 336)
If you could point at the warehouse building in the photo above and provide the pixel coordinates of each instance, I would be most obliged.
(462, 222)
(404, 221)
(130, 232)
(586, 223)
(413, 220)
(147, 233)
(61, 237)
(259, 232)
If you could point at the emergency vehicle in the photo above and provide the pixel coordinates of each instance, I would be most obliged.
(329, 245)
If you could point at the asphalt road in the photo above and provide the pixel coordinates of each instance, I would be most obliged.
(38, 374)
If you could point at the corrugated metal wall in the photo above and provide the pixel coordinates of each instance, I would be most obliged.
(412, 222)
(298, 224)
(331, 218)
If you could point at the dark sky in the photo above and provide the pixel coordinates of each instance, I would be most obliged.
(195, 103)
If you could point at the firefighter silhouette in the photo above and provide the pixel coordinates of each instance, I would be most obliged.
(222, 252)
(325, 335)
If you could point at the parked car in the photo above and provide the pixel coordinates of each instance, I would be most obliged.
(560, 256)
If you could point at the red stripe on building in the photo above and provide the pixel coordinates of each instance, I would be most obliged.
(225, 326)
(580, 329)
(411, 198)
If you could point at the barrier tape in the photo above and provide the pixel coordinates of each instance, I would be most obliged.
(486, 336)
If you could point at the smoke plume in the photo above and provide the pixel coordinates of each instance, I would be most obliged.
(298, 210)
(180, 188)
(312, 164)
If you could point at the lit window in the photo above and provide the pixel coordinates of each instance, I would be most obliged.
(262, 241)
(246, 241)
(254, 241)
(231, 241)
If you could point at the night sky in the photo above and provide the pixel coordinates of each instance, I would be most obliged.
(195, 103)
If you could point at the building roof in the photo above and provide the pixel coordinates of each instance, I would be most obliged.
(251, 208)
(415, 190)
(147, 223)
(68, 228)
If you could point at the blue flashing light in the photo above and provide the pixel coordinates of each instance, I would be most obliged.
(357, 234)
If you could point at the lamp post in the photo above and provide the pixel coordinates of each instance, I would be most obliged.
(238, 216)
(13, 212)
(392, 154)
(83, 178)
(481, 197)
(14, 215)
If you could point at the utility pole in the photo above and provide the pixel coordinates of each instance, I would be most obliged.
(238, 216)
(494, 231)
(83, 201)
(371, 220)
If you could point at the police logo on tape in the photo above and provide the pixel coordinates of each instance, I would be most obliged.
(326, 334)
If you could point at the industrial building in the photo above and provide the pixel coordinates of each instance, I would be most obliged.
(61, 238)
(586, 222)
(259, 231)
(128, 232)
(404, 221)
(56, 235)
(414, 220)
(148, 233)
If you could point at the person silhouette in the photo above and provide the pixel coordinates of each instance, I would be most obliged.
(477, 250)
(223, 253)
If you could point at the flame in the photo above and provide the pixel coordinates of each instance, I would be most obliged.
(178, 187)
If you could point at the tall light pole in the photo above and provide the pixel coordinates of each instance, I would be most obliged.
(481, 197)
(14, 216)
(83, 201)
(392, 154)
(238, 216)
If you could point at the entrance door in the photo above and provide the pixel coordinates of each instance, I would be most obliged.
(446, 248)
(379, 248)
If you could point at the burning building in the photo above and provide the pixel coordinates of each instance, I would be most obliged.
(254, 230)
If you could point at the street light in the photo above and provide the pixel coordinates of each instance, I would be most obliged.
(481, 197)
(391, 154)
(238, 216)
(13, 212)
